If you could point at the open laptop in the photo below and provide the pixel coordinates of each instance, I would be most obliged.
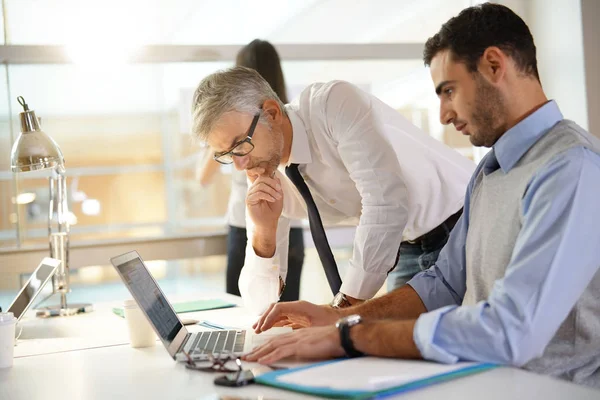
(169, 328)
(34, 285)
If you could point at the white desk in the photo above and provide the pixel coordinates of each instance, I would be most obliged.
(120, 372)
(102, 328)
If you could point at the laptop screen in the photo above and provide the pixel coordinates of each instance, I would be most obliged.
(33, 287)
(150, 299)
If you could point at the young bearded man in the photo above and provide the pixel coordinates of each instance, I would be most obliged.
(518, 282)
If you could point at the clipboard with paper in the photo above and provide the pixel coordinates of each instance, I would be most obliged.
(367, 377)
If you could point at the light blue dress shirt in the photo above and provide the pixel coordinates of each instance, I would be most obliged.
(570, 182)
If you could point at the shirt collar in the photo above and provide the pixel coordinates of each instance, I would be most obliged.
(520, 138)
(300, 153)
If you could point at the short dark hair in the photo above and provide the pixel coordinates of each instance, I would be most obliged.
(262, 57)
(477, 28)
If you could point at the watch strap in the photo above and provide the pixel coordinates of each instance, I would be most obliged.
(346, 341)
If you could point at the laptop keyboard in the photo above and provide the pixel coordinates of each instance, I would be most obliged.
(218, 342)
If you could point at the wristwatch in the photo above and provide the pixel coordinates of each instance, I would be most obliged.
(340, 301)
(344, 326)
(281, 286)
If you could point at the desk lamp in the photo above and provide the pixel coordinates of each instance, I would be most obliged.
(34, 151)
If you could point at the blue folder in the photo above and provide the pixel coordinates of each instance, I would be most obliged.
(270, 379)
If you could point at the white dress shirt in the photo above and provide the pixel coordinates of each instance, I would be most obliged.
(236, 208)
(367, 166)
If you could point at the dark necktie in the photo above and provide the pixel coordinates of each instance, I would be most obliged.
(316, 229)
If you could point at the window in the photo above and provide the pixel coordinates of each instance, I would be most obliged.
(123, 127)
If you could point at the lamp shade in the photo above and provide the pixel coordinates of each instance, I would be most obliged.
(33, 150)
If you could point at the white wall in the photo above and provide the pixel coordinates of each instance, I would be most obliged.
(590, 11)
(556, 26)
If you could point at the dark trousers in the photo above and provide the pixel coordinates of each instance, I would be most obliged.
(236, 253)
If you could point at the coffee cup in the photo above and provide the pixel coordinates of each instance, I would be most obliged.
(141, 333)
(8, 323)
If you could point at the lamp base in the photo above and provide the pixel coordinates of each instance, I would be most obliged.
(58, 311)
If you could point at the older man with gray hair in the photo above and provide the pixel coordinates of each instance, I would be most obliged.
(338, 156)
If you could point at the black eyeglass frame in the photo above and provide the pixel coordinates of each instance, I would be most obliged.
(217, 363)
(248, 139)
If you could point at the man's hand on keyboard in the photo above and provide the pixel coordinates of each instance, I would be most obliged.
(296, 314)
(308, 344)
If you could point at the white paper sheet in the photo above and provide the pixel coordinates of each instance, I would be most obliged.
(368, 373)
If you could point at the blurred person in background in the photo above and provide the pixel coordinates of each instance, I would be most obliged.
(262, 57)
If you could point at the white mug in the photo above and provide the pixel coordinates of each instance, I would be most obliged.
(141, 333)
(7, 339)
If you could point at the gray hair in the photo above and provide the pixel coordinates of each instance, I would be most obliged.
(238, 89)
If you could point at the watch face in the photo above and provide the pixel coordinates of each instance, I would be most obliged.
(353, 319)
(350, 320)
(339, 297)
(337, 300)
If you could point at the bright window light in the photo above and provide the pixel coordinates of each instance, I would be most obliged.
(24, 198)
(90, 207)
(94, 42)
(71, 218)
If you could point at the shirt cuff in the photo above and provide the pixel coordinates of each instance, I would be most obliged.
(424, 334)
(361, 284)
(259, 284)
(265, 266)
(431, 290)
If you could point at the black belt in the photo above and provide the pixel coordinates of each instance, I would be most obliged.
(449, 222)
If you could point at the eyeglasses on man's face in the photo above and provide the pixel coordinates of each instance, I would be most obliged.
(241, 148)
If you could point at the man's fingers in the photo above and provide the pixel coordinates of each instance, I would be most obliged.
(278, 319)
(315, 343)
(281, 320)
(295, 312)
(270, 345)
(258, 323)
(264, 188)
(265, 180)
(256, 198)
(255, 173)
(272, 183)
(263, 318)
(276, 314)
(278, 354)
(260, 351)
(284, 321)
(274, 349)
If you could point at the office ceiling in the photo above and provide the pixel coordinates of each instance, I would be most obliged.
(115, 25)
(226, 21)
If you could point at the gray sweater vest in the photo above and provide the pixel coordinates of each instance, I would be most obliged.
(495, 221)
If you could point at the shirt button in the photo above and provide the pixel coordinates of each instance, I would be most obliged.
(331, 201)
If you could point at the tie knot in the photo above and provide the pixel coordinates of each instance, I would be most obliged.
(292, 171)
(292, 167)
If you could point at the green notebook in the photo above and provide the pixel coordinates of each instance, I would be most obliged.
(190, 306)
